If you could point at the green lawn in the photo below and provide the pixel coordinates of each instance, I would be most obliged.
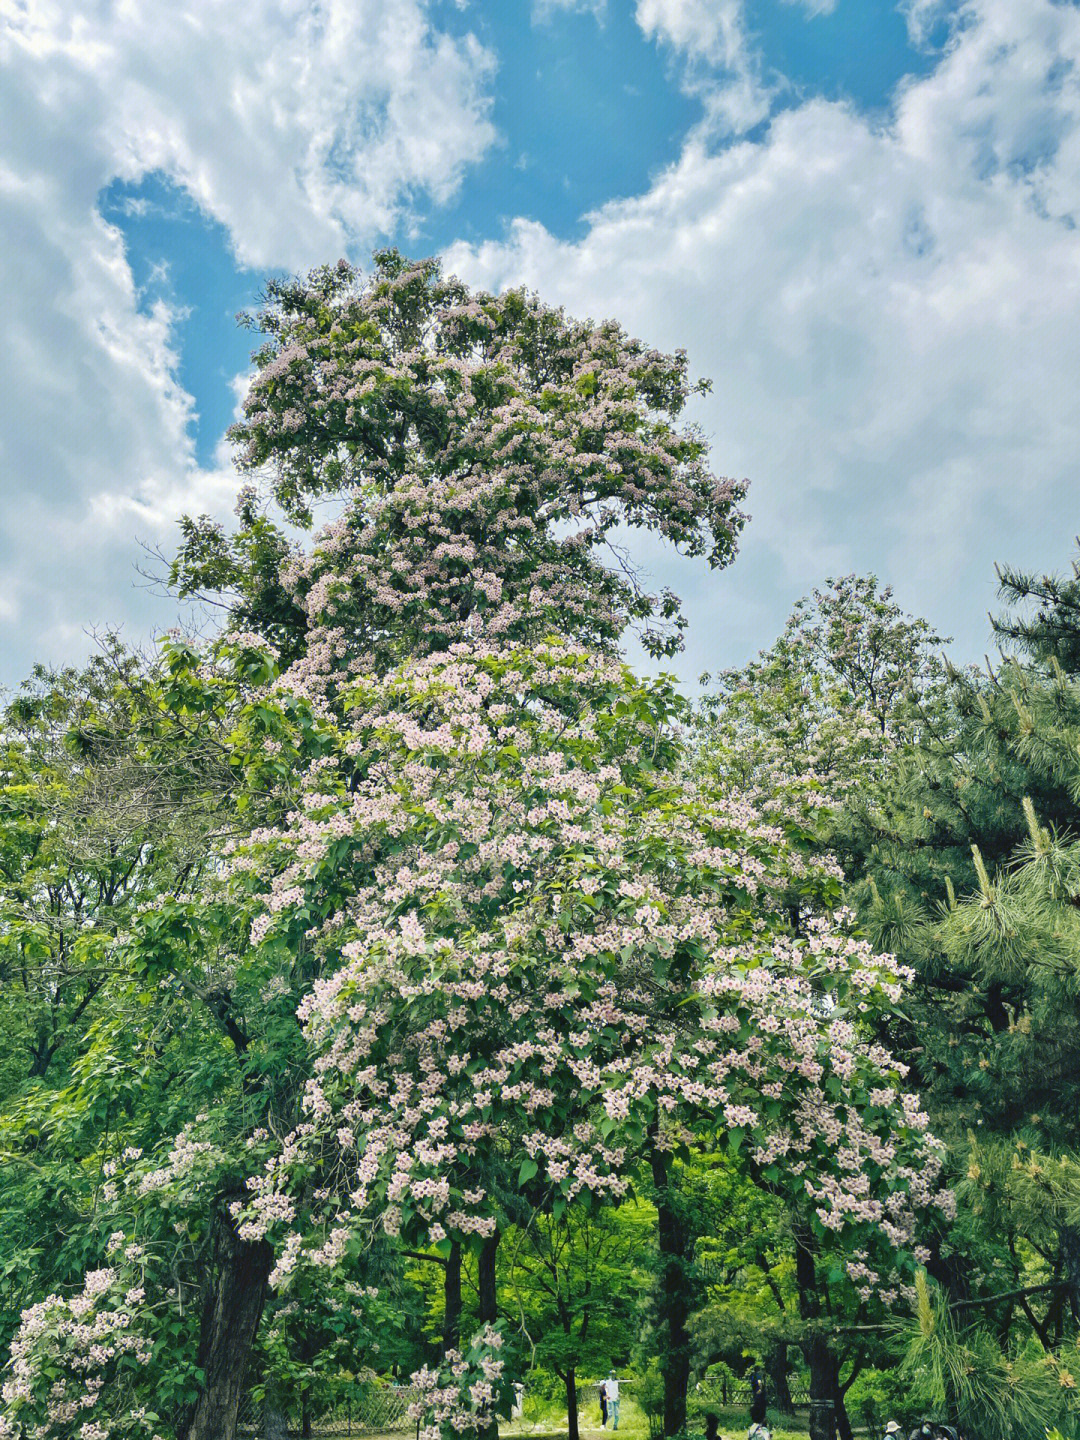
(549, 1423)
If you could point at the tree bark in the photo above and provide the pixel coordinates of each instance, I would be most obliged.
(276, 1426)
(486, 1278)
(820, 1360)
(777, 1368)
(452, 1299)
(674, 1296)
(1070, 1253)
(570, 1381)
(843, 1423)
(231, 1313)
(822, 1366)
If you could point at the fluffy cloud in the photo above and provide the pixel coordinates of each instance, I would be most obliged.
(888, 307)
(889, 313)
(299, 126)
(722, 67)
(302, 127)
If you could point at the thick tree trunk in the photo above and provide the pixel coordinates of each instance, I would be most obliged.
(674, 1308)
(231, 1314)
(777, 1368)
(276, 1426)
(305, 1416)
(822, 1366)
(570, 1382)
(452, 1299)
(820, 1360)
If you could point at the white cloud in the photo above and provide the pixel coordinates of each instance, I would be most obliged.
(302, 127)
(722, 67)
(299, 126)
(544, 9)
(889, 314)
(814, 7)
(711, 28)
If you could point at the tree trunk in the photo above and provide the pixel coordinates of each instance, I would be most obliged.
(305, 1416)
(1070, 1253)
(489, 1308)
(820, 1360)
(674, 1308)
(276, 1426)
(843, 1424)
(452, 1299)
(776, 1366)
(485, 1280)
(822, 1366)
(571, 1404)
(231, 1312)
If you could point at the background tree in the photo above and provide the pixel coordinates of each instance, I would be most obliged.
(573, 1287)
(959, 855)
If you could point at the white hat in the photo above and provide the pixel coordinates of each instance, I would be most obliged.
(893, 1428)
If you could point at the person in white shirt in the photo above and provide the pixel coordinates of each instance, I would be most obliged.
(612, 1387)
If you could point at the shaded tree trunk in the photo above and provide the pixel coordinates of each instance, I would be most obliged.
(232, 1309)
(489, 1308)
(276, 1426)
(485, 1280)
(674, 1306)
(820, 1360)
(1070, 1254)
(777, 1368)
(823, 1392)
(305, 1415)
(570, 1381)
(452, 1299)
(843, 1423)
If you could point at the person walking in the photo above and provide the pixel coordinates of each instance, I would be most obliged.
(612, 1386)
(601, 1395)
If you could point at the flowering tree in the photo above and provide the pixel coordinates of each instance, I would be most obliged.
(545, 953)
(483, 449)
(530, 953)
(481, 945)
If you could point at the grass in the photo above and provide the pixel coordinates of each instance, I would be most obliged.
(548, 1422)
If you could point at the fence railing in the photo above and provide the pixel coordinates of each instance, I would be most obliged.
(368, 1410)
(375, 1409)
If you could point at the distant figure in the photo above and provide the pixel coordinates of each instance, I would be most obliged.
(759, 1432)
(758, 1398)
(925, 1431)
(601, 1391)
(893, 1428)
(519, 1401)
(611, 1385)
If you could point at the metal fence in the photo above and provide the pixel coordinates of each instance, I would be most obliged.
(368, 1410)
(374, 1409)
(722, 1393)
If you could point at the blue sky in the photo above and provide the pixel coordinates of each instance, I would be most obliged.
(587, 110)
(858, 217)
